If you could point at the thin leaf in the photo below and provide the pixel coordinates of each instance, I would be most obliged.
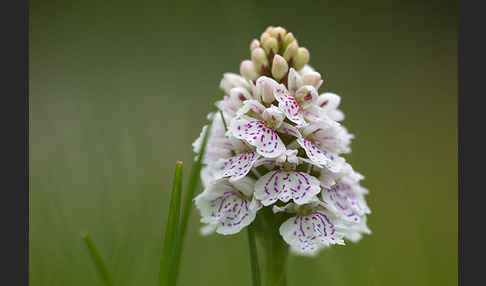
(186, 211)
(97, 260)
(255, 268)
(171, 227)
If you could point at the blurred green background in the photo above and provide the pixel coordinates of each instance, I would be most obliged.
(120, 89)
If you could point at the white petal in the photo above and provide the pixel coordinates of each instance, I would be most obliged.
(255, 132)
(308, 234)
(273, 116)
(329, 103)
(218, 145)
(236, 167)
(327, 178)
(350, 176)
(240, 94)
(288, 105)
(285, 186)
(246, 185)
(222, 204)
(354, 231)
(196, 145)
(307, 95)
(319, 156)
(228, 105)
(306, 69)
(264, 89)
(288, 156)
(342, 200)
(334, 138)
(209, 174)
(208, 229)
(294, 81)
(312, 78)
(314, 113)
(289, 129)
(231, 80)
(251, 105)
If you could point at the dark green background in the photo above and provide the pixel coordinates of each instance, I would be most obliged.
(120, 89)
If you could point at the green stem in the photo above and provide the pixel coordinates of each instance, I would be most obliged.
(171, 227)
(97, 260)
(275, 250)
(186, 211)
(255, 268)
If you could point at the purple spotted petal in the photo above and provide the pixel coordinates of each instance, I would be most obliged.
(307, 234)
(314, 113)
(319, 156)
(342, 199)
(288, 105)
(255, 132)
(285, 186)
(226, 207)
(238, 166)
(251, 105)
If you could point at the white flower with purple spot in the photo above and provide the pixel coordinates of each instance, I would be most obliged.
(326, 105)
(261, 130)
(297, 98)
(323, 141)
(227, 206)
(237, 166)
(345, 201)
(285, 183)
(311, 229)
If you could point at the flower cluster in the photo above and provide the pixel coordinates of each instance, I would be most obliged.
(276, 142)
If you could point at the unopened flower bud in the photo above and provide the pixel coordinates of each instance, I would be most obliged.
(278, 33)
(259, 58)
(264, 37)
(291, 51)
(269, 29)
(254, 44)
(294, 81)
(289, 38)
(264, 88)
(302, 58)
(312, 78)
(270, 44)
(279, 67)
(247, 70)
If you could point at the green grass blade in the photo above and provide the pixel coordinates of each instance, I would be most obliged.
(186, 211)
(255, 268)
(97, 260)
(224, 121)
(171, 227)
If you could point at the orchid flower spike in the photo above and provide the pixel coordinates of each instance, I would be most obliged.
(277, 143)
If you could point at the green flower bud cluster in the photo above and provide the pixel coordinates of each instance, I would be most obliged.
(274, 54)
